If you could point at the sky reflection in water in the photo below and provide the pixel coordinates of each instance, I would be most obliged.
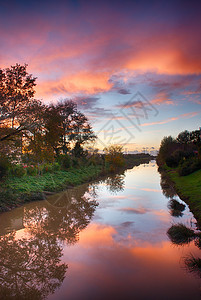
(116, 250)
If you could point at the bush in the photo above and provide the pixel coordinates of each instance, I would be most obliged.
(18, 170)
(114, 157)
(4, 166)
(56, 166)
(178, 157)
(171, 161)
(189, 166)
(66, 162)
(47, 168)
(75, 162)
(31, 170)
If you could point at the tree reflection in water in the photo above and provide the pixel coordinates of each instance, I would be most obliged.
(176, 208)
(180, 234)
(63, 215)
(167, 188)
(115, 183)
(31, 268)
(192, 264)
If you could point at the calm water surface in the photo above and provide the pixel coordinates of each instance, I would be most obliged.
(106, 240)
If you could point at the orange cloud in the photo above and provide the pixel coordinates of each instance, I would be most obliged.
(97, 234)
(85, 82)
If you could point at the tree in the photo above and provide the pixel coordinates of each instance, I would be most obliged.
(167, 147)
(114, 157)
(18, 108)
(75, 125)
(184, 137)
(82, 131)
(195, 137)
(53, 129)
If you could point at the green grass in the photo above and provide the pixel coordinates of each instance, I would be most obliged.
(52, 181)
(16, 191)
(189, 188)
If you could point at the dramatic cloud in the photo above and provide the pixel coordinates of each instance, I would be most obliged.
(101, 53)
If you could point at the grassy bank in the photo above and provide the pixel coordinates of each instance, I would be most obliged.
(189, 189)
(16, 191)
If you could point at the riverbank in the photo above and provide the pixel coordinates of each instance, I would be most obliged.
(189, 190)
(15, 191)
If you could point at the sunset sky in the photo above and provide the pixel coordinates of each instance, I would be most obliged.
(133, 67)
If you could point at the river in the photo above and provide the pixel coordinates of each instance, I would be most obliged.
(103, 240)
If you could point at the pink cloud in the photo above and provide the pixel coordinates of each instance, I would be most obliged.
(185, 116)
(66, 52)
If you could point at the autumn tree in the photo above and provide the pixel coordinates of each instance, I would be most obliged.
(114, 157)
(16, 100)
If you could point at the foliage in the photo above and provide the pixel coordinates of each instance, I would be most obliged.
(168, 146)
(18, 108)
(189, 188)
(65, 161)
(78, 150)
(114, 157)
(4, 166)
(172, 161)
(17, 170)
(34, 132)
(72, 125)
(189, 166)
(184, 137)
(182, 153)
(31, 170)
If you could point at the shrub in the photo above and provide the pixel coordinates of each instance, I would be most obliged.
(189, 166)
(75, 162)
(114, 157)
(66, 162)
(47, 168)
(171, 161)
(178, 157)
(31, 170)
(56, 166)
(18, 170)
(4, 166)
